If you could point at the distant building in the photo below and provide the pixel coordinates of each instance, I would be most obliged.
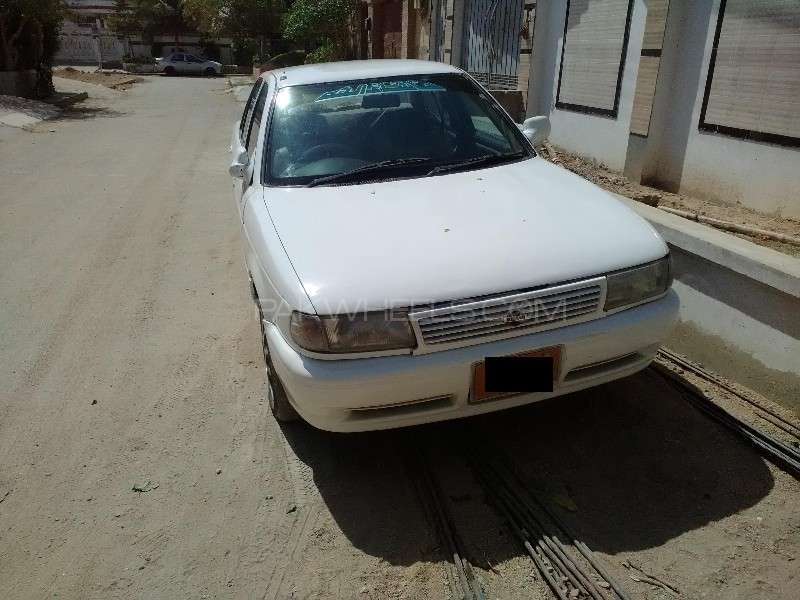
(87, 39)
(697, 97)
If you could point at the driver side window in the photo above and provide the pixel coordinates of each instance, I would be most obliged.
(248, 108)
(255, 122)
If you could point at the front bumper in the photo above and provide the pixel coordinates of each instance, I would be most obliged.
(397, 391)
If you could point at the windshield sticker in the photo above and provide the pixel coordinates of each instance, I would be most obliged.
(380, 87)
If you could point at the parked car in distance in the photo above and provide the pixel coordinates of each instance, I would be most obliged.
(413, 259)
(180, 63)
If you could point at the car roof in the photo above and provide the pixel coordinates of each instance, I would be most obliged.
(357, 69)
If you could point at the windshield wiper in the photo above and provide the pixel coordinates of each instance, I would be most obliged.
(383, 165)
(485, 159)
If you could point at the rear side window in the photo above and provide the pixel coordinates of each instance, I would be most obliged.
(248, 107)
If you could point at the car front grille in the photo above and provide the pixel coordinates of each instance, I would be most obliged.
(510, 314)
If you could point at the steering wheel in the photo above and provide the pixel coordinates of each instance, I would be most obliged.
(321, 151)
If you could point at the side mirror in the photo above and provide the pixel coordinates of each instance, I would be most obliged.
(239, 166)
(536, 129)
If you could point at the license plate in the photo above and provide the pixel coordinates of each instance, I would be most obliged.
(504, 376)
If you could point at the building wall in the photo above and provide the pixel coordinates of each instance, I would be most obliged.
(388, 35)
(416, 29)
(684, 158)
(601, 137)
(85, 37)
(78, 46)
(676, 155)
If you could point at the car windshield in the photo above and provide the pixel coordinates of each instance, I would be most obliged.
(381, 128)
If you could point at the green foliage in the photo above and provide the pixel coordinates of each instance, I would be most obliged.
(149, 17)
(322, 23)
(208, 16)
(309, 20)
(237, 18)
(244, 49)
(137, 60)
(327, 52)
(287, 59)
(210, 49)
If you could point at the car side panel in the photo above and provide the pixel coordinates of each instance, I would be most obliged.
(276, 283)
(274, 277)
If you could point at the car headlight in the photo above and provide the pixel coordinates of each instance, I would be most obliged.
(364, 332)
(638, 284)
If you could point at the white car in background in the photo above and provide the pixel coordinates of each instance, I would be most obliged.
(180, 63)
(414, 260)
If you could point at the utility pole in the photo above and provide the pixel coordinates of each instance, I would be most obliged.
(98, 47)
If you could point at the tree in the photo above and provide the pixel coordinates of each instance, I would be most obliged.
(241, 19)
(326, 24)
(29, 37)
(150, 18)
(208, 16)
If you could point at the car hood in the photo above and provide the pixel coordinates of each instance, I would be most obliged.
(431, 239)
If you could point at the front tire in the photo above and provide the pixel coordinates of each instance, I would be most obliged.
(279, 403)
(210, 72)
(170, 71)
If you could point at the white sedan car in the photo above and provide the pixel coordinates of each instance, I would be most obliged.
(180, 63)
(414, 260)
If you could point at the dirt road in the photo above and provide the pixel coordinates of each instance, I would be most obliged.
(130, 360)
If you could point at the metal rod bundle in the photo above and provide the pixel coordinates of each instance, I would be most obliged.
(775, 450)
(567, 578)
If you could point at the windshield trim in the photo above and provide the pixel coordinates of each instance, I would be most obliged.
(527, 148)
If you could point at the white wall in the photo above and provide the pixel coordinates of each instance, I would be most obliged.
(677, 155)
(76, 48)
(759, 175)
(599, 137)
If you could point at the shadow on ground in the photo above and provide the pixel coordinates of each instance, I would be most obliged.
(364, 481)
(80, 113)
(635, 464)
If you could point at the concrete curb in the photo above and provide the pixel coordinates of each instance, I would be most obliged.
(24, 113)
(758, 263)
(739, 305)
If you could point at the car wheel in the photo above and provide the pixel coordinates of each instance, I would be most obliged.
(210, 72)
(169, 71)
(279, 404)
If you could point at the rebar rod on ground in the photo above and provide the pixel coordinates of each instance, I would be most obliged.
(779, 453)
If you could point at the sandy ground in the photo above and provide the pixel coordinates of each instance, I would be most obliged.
(110, 79)
(734, 213)
(130, 360)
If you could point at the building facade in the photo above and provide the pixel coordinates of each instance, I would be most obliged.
(693, 96)
(86, 39)
(699, 97)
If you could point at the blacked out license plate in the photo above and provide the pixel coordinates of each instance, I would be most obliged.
(501, 376)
